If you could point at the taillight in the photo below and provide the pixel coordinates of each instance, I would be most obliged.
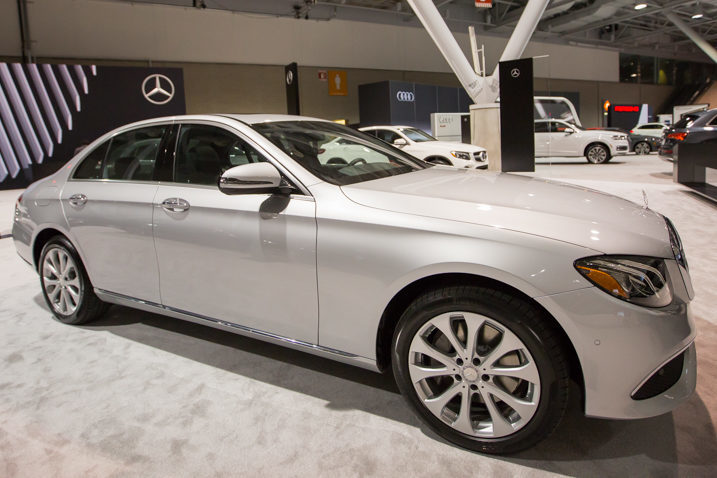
(632, 131)
(677, 136)
(19, 200)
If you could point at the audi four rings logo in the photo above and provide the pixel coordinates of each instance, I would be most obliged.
(158, 89)
(405, 96)
(515, 73)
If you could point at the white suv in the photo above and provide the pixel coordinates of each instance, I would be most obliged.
(424, 146)
(650, 129)
(560, 138)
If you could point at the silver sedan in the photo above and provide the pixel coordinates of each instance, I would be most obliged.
(484, 293)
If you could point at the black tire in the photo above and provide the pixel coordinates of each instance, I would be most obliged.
(524, 321)
(88, 307)
(597, 153)
(642, 148)
(439, 160)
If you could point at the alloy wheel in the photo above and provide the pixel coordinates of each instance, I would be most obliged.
(597, 154)
(61, 280)
(642, 148)
(474, 374)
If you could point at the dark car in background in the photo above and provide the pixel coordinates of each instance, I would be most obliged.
(698, 127)
(644, 144)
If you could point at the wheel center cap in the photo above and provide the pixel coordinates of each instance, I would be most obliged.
(470, 374)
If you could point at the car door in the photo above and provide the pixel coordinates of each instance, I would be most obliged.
(562, 140)
(542, 139)
(108, 205)
(246, 259)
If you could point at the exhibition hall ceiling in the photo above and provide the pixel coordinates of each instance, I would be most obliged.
(619, 24)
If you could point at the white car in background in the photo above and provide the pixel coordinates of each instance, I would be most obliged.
(424, 146)
(560, 138)
(650, 129)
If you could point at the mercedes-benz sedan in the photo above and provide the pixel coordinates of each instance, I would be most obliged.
(485, 293)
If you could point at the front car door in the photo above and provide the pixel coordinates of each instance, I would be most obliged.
(563, 141)
(108, 207)
(542, 139)
(246, 259)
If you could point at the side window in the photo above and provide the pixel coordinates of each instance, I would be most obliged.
(132, 155)
(91, 166)
(205, 152)
(387, 135)
(541, 127)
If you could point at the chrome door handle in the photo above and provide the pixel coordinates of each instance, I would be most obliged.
(77, 199)
(175, 205)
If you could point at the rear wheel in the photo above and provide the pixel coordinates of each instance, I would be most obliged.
(481, 368)
(65, 285)
(597, 154)
(642, 148)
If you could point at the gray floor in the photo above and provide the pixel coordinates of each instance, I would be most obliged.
(136, 394)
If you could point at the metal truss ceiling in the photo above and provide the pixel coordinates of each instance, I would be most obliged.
(605, 23)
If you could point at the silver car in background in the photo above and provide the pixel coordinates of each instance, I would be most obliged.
(485, 293)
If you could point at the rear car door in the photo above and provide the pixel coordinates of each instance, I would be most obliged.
(245, 259)
(108, 207)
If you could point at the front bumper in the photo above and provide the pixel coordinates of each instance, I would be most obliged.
(621, 346)
(620, 147)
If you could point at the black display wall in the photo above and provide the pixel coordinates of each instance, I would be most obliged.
(47, 111)
(517, 127)
(410, 104)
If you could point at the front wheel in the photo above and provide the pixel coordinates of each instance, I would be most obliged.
(642, 148)
(481, 368)
(65, 284)
(597, 154)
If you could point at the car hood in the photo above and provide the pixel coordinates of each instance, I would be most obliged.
(563, 212)
(449, 146)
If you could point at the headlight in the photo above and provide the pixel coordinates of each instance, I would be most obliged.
(640, 280)
(676, 244)
(619, 136)
(461, 155)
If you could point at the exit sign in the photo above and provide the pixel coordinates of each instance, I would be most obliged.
(484, 3)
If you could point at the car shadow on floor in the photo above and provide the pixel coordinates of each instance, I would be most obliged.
(580, 446)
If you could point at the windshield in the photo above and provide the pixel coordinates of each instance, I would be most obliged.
(417, 135)
(337, 154)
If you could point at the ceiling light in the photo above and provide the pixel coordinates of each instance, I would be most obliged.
(697, 15)
(640, 5)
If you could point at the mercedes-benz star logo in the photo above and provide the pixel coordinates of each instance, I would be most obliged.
(515, 72)
(158, 89)
(405, 96)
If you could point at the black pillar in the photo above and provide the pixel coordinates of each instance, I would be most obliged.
(291, 75)
(517, 127)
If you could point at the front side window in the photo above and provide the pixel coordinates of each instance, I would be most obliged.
(417, 135)
(204, 152)
(337, 154)
(386, 135)
(132, 155)
(541, 126)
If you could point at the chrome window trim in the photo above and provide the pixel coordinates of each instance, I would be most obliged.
(237, 132)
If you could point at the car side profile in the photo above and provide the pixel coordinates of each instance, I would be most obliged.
(424, 146)
(485, 294)
(650, 129)
(698, 127)
(560, 138)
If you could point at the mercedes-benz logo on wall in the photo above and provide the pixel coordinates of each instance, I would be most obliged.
(515, 72)
(158, 89)
(405, 96)
(289, 77)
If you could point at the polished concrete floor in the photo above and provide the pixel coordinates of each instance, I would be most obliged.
(137, 394)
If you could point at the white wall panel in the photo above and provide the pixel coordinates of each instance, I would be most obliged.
(100, 29)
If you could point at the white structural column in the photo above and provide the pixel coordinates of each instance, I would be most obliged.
(693, 35)
(481, 90)
(436, 27)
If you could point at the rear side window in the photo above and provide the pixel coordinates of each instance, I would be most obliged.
(91, 166)
(205, 152)
(387, 136)
(132, 155)
(129, 156)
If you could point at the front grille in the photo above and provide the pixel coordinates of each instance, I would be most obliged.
(661, 380)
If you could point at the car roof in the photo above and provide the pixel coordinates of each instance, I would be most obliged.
(387, 126)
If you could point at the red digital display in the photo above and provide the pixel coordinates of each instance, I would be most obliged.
(627, 109)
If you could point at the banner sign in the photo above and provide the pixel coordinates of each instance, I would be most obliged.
(49, 111)
(484, 3)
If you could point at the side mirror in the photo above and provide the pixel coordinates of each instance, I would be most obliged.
(252, 178)
(399, 142)
(569, 131)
